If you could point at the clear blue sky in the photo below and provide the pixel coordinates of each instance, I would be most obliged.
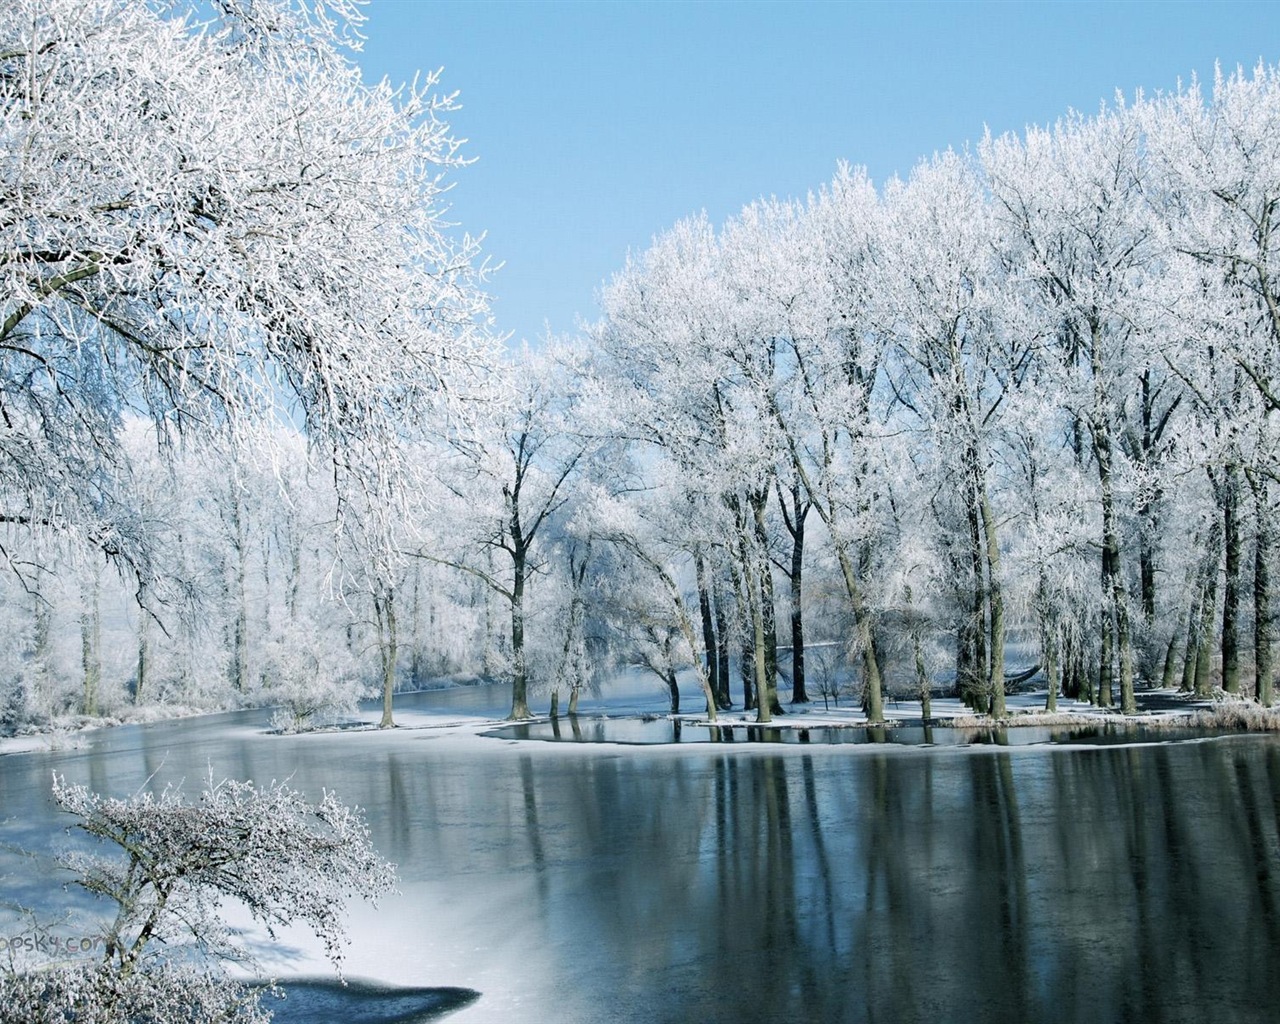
(597, 125)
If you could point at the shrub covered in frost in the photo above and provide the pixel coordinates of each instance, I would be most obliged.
(171, 865)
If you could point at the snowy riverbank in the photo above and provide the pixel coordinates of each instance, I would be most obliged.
(1158, 709)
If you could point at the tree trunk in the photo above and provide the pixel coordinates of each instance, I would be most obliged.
(91, 647)
(1263, 687)
(1231, 584)
(799, 691)
(240, 635)
(1170, 674)
(723, 699)
(384, 607)
(995, 600)
(746, 651)
(978, 692)
(42, 651)
(964, 654)
(1083, 674)
(1147, 576)
(1115, 593)
(1190, 648)
(1203, 628)
(1052, 675)
(759, 503)
(755, 591)
(1105, 658)
(923, 685)
(417, 663)
(769, 621)
(295, 573)
(689, 633)
(140, 677)
(1113, 585)
(519, 678)
(708, 626)
(873, 696)
(1204, 642)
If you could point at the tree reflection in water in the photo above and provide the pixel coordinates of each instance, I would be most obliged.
(832, 884)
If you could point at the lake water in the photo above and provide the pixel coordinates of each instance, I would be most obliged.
(573, 883)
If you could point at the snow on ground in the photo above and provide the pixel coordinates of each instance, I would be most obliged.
(41, 741)
(68, 732)
(467, 728)
(633, 695)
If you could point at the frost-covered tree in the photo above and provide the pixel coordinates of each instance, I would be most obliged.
(941, 294)
(679, 356)
(823, 408)
(1216, 193)
(1072, 199)
(510, 475)
(210, 221)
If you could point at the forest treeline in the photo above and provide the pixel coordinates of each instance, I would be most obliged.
(256, 445)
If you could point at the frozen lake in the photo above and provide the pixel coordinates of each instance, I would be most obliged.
(669, 883)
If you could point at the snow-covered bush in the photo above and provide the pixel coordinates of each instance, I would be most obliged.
(324, 703)
(159, 994)
(284, 859)
(312, 678)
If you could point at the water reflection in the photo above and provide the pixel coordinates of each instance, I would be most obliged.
(735, 885)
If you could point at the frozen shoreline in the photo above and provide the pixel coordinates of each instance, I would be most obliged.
(469, 731)
(1024, 710)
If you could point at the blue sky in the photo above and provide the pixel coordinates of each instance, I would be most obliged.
(597, 125)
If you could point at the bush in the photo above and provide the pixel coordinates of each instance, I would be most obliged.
(157, 994)
(284, 859)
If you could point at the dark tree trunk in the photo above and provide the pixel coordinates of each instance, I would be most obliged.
(1231, 584)
(1170, 674)
(1204, 627)
(794, 518)
(1204, 643)
(995, 602)
(1115, 598)
(1105, 656)
(1115, 593)
(768, 614)
(799, 692)
(708, 627)
(964, 656)
(977, 696)
(1263, 687)
(746, 649)
(1190, 647)
(1147, 576)
(519, 675)
(723, 699)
